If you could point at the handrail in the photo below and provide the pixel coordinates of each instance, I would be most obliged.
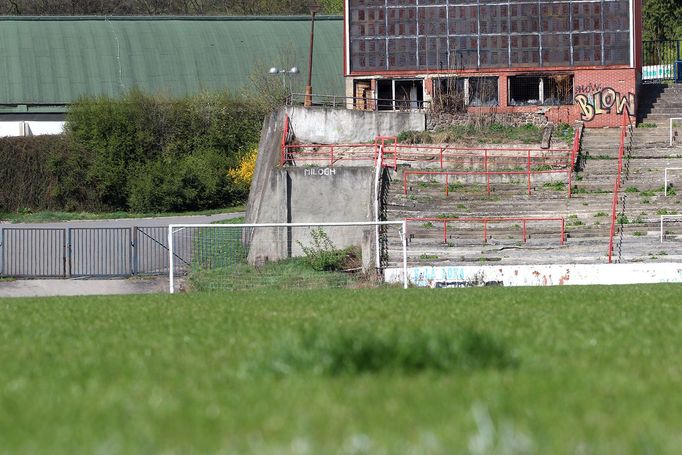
(285, 135)
(617, 184)
(486, 220)
(528, 172)
(370, 103)
(443, 154)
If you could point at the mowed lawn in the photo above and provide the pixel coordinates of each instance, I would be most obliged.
(595, 370)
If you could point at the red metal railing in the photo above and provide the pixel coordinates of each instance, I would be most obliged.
(617, 184)
(445, 156)
(380, 144)
(487, 220)
(285, 135)
(548, 162)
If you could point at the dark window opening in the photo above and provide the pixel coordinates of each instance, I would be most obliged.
(385, 95)
(524, 90)
(535, 90)
(483, 91)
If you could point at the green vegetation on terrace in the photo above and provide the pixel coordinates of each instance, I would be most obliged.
(487, 370)
(494, 133)
(27, 216)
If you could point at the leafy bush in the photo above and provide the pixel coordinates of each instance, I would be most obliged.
(322, 255)
(415, 137)
(196, 181)
(41, 173)
(139, 152)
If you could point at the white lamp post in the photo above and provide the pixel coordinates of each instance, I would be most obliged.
(275, 71)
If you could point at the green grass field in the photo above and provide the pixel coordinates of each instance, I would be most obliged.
(549, 371)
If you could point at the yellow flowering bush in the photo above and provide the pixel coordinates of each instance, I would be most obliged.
(243, 173)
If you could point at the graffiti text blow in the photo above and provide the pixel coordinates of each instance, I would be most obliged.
(603, 101)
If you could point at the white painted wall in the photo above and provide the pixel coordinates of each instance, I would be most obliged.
(30, 128)
(539, 275)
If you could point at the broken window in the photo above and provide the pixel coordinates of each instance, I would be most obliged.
(453, 93)
(400, 94)
(524, 90)
(409, 94)
(551, 90)
(557, 90)
(448, 94)
(482, 91)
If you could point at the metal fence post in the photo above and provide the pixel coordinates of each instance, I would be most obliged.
(2, 251)
(67, 253)
(134, 253)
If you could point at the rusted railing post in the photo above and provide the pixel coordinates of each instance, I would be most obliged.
(528, 172)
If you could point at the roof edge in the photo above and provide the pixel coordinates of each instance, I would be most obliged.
(169, 18)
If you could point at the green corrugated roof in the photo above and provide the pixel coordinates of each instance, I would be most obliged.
(55, 60)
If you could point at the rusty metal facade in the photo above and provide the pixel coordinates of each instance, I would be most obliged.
(433, 35)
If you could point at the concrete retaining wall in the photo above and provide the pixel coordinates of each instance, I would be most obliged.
(316, 194)
(327, 125)
(300, 195)
(539, 275)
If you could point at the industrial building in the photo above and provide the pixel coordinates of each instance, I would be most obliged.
(50, 62)
(568, 59)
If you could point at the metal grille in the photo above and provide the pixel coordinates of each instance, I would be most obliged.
(86, 252)
(451, 34)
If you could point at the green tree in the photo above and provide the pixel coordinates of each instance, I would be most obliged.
(662, 19)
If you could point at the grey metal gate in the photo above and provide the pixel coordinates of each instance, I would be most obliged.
(100, 252)
(34, 252)
(83, 252)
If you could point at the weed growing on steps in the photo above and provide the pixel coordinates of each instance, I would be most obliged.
(666, 212)
(556, 186)
(671, 190)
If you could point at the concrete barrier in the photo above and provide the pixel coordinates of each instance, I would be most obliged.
(329, 126)
(538, 275)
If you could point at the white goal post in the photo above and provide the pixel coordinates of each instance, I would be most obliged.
(293, 255)
(673, 120)
(669, 217)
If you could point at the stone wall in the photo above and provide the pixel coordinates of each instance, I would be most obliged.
(440, 120)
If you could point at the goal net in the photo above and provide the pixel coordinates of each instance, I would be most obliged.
(215, 257)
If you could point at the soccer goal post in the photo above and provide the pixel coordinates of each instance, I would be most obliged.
(208, 257)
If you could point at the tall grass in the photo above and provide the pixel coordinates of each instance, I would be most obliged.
(364, 349)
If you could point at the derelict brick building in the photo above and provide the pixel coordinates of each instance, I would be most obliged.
(570, 59)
